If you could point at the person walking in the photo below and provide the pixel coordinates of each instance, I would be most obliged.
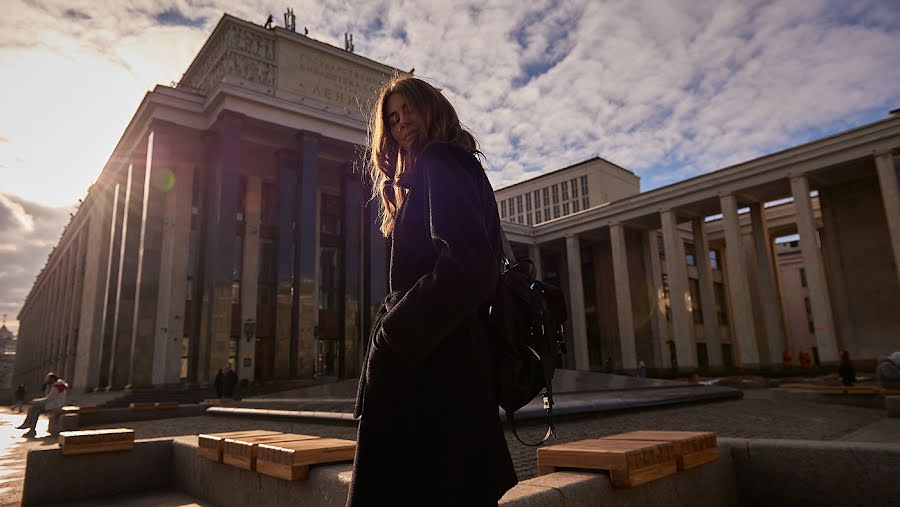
(54, 398)
(229, 382)
(219, 384)
(20, 397)
(430, 432)
(845, 369)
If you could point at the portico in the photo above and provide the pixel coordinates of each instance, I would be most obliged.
(704, 287)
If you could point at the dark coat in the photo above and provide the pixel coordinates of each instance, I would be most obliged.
(430, 432)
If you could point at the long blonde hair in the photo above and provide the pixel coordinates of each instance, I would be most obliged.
(388, 162)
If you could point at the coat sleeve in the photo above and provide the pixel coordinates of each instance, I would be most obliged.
(466, 270)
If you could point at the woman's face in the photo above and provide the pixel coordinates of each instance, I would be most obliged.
(405, 124)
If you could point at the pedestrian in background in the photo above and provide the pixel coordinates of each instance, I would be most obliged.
(54, 398)
(845, 370)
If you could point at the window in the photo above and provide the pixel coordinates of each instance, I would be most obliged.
(714, 259)
(528, 219)
(537, 199)
(528, 202)
(585, 202)
(556, 211)
(575, 206)
(519, 219)
(584, 187)
(696, 305)
(268, 204)
(537, 216)
(802, 277)
(519, 206)
(565, 208)
(242, 199)
(809, 317)
(565, 190)
(665, 281)
(721, 304)
(546, 197)
(555, 192)
(574, 188)
(689, 256)
(503, 209)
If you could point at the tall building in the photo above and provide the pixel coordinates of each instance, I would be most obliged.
(230, 226)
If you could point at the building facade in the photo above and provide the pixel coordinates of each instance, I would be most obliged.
(228, 227)
(232, 225)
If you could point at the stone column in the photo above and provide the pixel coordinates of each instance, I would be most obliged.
(834, 267)
(224, 160)
(534, 253)
(66, 272)
(159, 179)
(707, 294)
(890, 195)
(95, 284)
(353, 254)
(815, 272)
(623, 297)
(576, 304)
(654, 281)
(679, 293)
(375, 277)
(176, 203)
(249, 278)
(111, 285)
(120, 353)
(285, 246)
(306, 281)
(77, 324)
(739, 286)
(770, 296)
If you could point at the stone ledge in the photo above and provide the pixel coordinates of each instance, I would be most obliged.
(748, 472)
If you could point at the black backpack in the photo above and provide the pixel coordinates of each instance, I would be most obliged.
(526, 319)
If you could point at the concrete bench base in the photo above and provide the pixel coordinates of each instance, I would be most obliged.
(748, 472)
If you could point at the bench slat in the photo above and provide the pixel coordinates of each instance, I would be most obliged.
(241, 451)
(629, 463)
(291, 460)
(692, 448)
(96, 441)
(210, 445)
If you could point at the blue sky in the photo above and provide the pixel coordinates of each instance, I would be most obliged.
(668, 89)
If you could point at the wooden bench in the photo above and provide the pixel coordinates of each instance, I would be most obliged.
(210, 445)
(241, 452)
(166, 405)
(629, 463)
(291, 460)
(692, 448)
(144, 405)
(96, 441)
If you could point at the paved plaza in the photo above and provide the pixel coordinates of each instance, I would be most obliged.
(755, 416)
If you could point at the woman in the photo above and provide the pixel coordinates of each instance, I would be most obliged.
(429, 432)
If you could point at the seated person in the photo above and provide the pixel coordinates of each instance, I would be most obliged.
(888, 371)
(54, 397)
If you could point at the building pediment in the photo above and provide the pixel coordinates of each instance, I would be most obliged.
(287, 65)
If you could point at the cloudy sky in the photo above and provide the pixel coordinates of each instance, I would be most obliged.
(668, 89)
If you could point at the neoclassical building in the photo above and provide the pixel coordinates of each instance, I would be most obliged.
(232, 225)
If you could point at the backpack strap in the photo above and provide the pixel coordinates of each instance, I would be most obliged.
(551, 429)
